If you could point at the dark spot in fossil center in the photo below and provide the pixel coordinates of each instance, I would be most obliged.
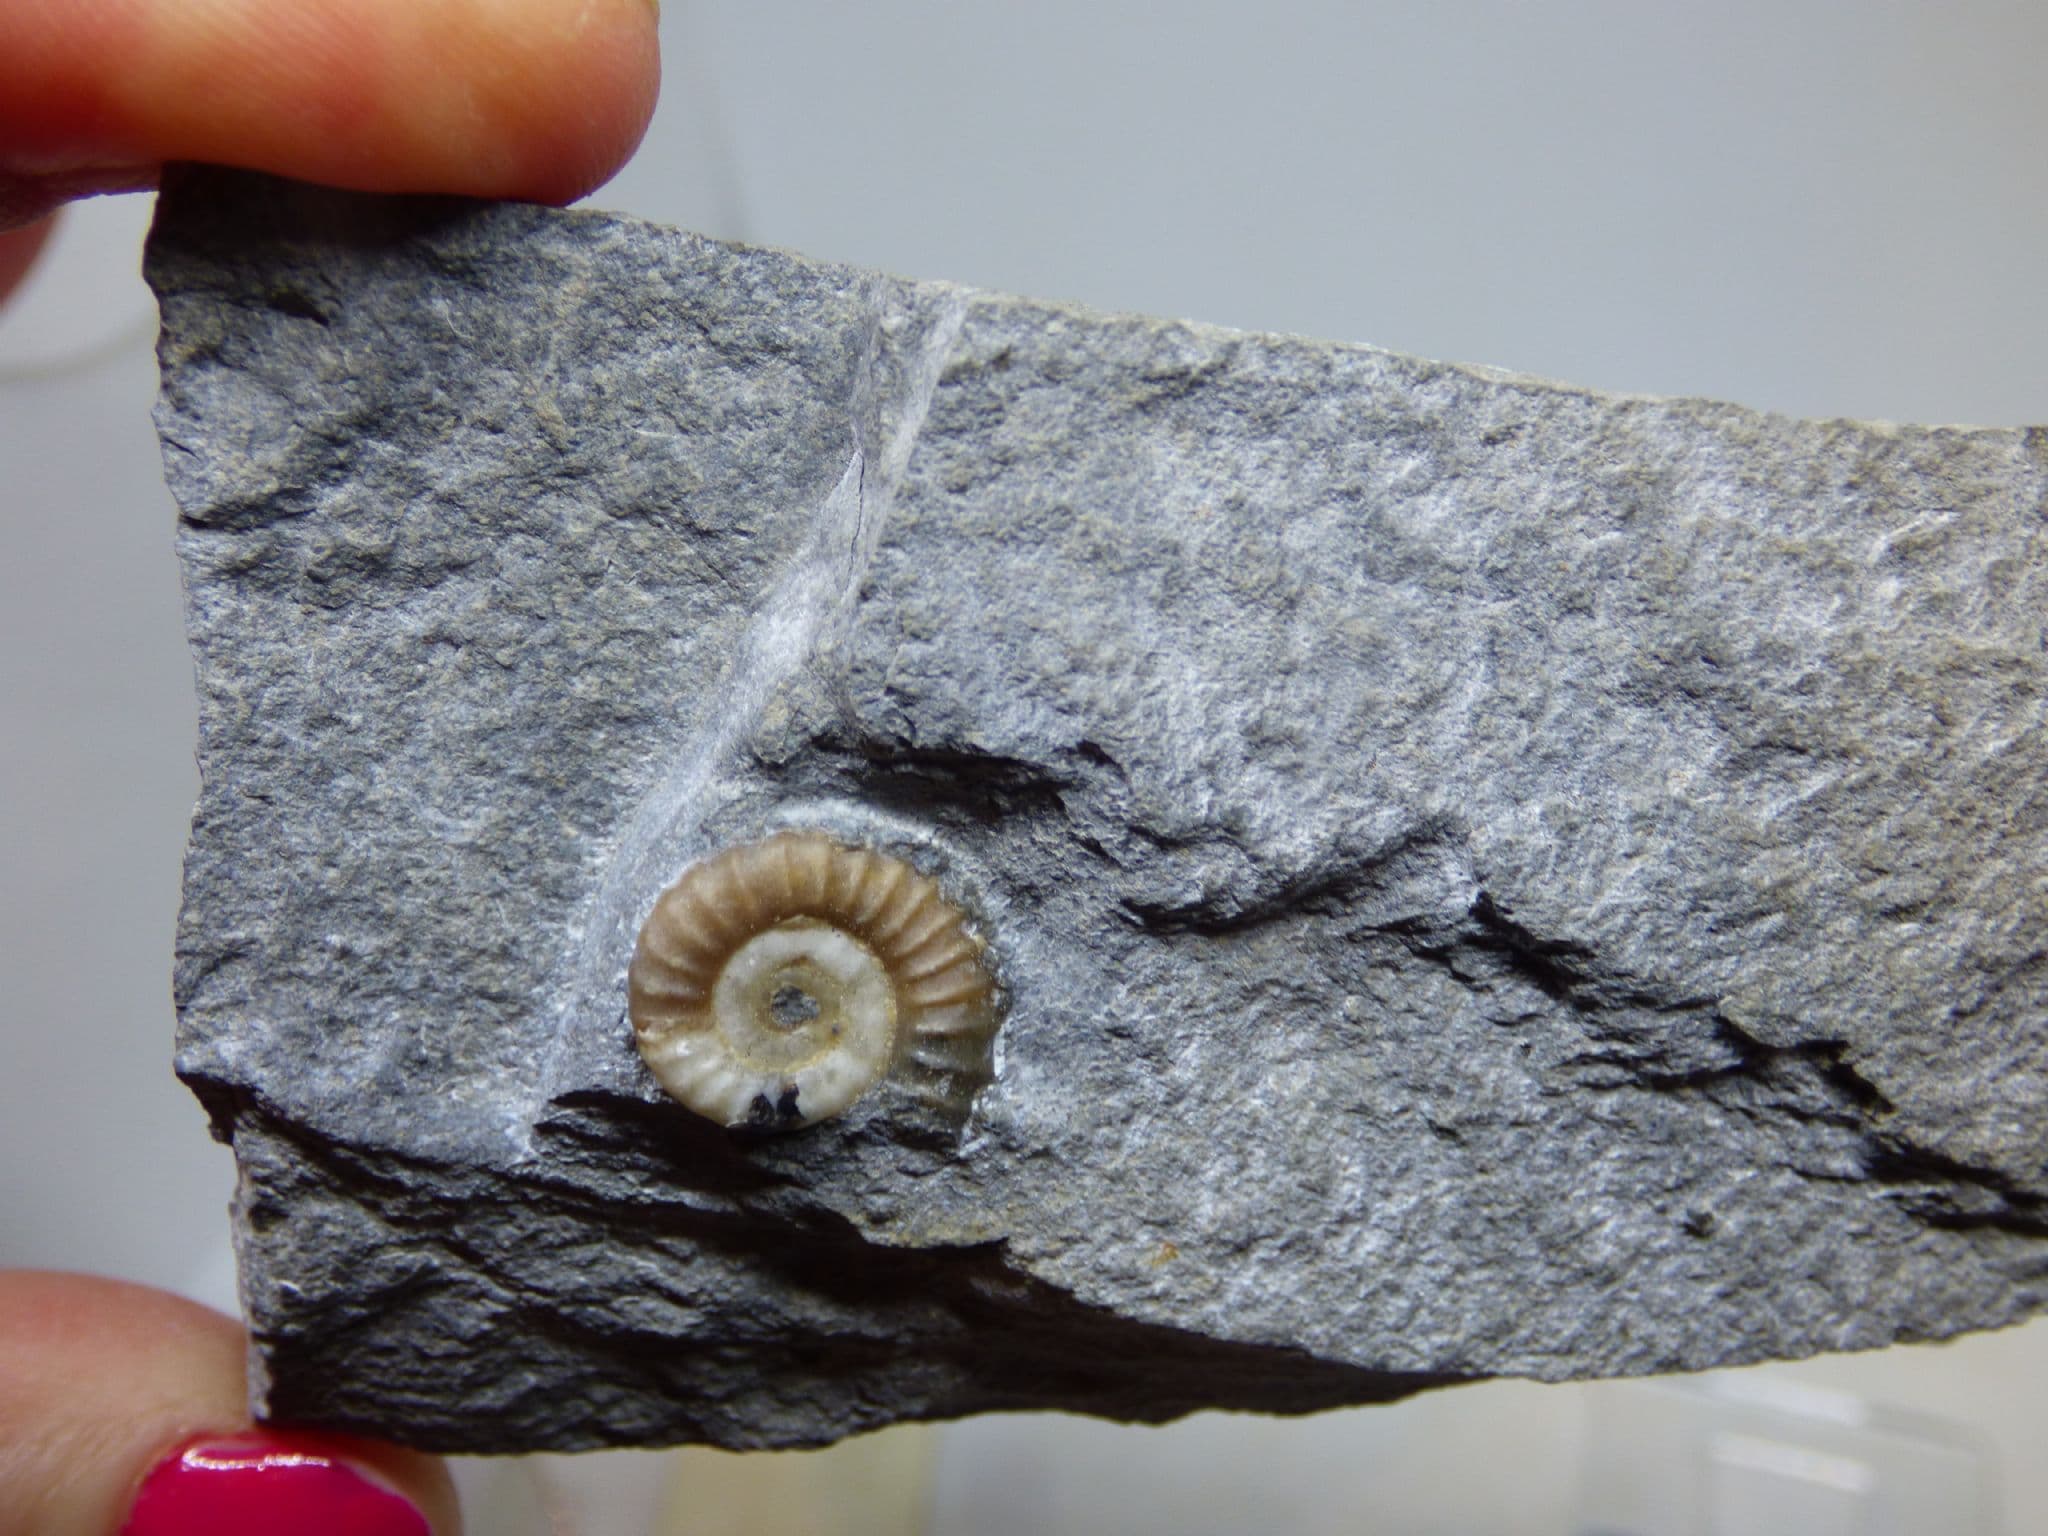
(791, 1007)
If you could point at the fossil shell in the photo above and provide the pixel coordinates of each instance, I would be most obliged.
(776, 982)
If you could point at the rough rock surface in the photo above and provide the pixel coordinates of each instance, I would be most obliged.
(1490, 878)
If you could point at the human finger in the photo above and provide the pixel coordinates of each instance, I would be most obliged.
(123, 1410)
(534, 99)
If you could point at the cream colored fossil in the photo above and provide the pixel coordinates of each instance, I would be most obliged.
(776, 982)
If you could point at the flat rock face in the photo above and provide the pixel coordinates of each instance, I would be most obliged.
(1488, 878)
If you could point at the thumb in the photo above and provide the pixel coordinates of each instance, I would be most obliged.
(534, 99)
(122, 1410)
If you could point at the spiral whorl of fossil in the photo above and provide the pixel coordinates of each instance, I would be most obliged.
(777, 981)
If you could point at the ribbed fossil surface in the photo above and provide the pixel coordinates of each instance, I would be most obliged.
(776, 982)
(1485, 878)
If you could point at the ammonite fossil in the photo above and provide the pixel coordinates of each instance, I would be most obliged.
(776, 982)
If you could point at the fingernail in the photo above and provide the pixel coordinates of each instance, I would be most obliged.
(263, 1483)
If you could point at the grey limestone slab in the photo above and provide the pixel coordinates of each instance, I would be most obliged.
(1488, 878)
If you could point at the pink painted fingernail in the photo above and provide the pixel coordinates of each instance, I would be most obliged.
(265, 1483)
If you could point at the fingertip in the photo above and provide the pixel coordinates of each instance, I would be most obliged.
(263, 1481)
(533, 99)
(564, 129)
(103, 1384)
(154, 1347)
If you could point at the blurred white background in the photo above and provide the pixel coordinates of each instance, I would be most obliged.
(1823, 209)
